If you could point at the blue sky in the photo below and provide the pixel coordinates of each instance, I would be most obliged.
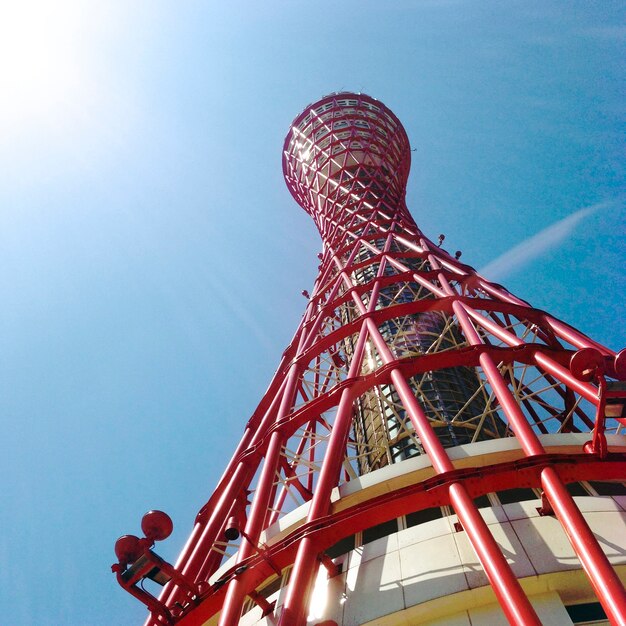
(152, 259)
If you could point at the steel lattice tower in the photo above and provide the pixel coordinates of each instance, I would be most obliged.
(413, 387)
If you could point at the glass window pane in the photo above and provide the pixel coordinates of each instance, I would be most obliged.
(516, 495)
(589, 613)
(382, 530)
(482, 501)
(420, 517)
(609, 489)
(576, 489)
(341, 547)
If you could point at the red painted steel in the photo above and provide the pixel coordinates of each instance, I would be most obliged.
(392, 322)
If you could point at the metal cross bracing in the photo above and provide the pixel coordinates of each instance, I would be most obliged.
(402, 351)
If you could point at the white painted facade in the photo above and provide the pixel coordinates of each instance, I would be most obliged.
(429, 573)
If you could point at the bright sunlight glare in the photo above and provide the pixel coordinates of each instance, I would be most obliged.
(38, 56)
(47, 50)
(319, 597)
(60, 102)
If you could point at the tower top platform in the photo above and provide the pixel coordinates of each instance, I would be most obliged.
(342, 147)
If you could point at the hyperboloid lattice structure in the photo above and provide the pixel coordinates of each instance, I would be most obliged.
(431, 447)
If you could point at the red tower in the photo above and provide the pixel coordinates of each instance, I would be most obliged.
(421, 415)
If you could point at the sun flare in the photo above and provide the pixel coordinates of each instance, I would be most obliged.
(46, 49)
(38, 62)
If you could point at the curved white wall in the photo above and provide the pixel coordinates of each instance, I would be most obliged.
(429, 573)
(398, 579)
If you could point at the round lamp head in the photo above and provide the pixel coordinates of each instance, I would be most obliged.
(586, 364)
(157, 525)
(620, 364)
(127, 549)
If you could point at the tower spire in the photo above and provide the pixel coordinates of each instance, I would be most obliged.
(413, 388)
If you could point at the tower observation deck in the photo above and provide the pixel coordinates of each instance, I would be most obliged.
(431, 450)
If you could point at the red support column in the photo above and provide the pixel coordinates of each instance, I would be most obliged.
(601, 574)
(301, 579)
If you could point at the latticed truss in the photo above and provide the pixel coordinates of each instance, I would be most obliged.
(402, 351)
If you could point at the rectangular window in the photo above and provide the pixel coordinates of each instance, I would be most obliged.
(341, 547)
(587, 614)
(421, 517)
(482, 502)
(509, 496)
(382, 530)
(576, 489)
(608, 489)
